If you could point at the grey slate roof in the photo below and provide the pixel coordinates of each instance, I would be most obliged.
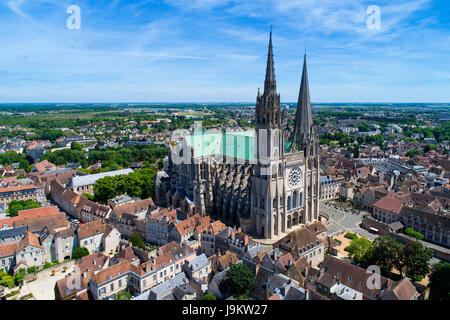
(198, 262)
(295, 294)
(167, 286)
(90, 179)
(14, 232)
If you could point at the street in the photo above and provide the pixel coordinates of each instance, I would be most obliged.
(343, 220)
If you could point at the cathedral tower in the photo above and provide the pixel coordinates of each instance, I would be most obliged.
(267, 186)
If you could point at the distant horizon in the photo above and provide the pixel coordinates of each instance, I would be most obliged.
(214, 102)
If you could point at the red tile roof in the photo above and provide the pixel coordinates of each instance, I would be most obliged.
(389, 204)
(29, 239)
(18, 188)
(38, 212)
(7, 250)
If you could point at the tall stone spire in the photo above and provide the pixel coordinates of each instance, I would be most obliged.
(303, 117)
(270, 85)
(268, 110)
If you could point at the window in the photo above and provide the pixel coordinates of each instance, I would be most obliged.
(120, 283)
(102, 291)
(112, 286)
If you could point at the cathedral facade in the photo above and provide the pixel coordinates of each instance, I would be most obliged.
(265, 181)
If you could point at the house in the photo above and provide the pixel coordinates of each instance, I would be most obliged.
(303, 243)
(337, 271)
(159, 226)
(37, 219)
(281, 286)
(366, 197)
(198, 268)
(184, 231)
(12, 235)
(76, 283)
(177, 288)
(387, 209)
(181, 256)
(30, 251)
(43, 166)
(120, 200)
(98, 236)
(7, 256)
(208, 237)
(112, 280)
(124, 216)
(234, 240)
(27, 192)
(402, 290)
(222, 262)
(77, 206)
(64, 243)
(435, 228)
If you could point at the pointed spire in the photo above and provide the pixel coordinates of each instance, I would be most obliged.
(270, 83)
(303, 117)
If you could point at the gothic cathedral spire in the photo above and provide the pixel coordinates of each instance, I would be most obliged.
(270, 84)
(302, 132)
(268, 109)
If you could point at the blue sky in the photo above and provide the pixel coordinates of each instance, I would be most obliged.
(215, 50)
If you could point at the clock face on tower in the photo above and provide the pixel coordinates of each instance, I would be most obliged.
(295, 176)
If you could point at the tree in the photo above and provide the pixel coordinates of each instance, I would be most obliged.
(429, 147)
(415, 260)
(80, 252)
(136, 240)
(124, 295)
(209, 296)
(17, 205)
(412, 233)
(440, 282)
(88, 196)
(240, 279)
(360, 250)
(76, 146)
(413, 152)
(386, 253)
(356, 152)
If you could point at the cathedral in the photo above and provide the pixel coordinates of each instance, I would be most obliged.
(265, 180)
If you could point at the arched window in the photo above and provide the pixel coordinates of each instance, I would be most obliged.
(294, 200)
(289, 203)
(274, 203)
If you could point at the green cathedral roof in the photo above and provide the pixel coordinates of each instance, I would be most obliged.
(239, 145)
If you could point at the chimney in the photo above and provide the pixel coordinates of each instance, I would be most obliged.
(239, 230)
(233, 232)
(245, 240)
